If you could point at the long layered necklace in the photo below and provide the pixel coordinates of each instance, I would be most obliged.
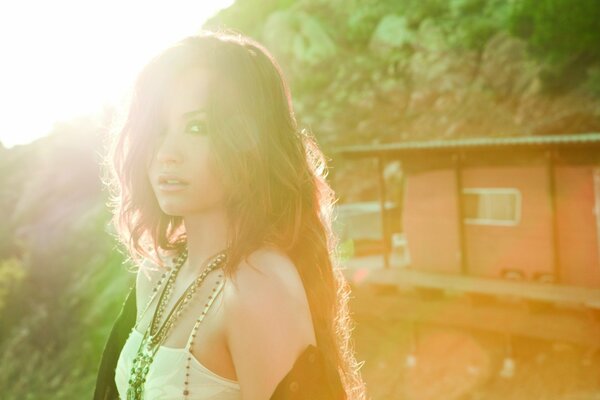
(155, 334)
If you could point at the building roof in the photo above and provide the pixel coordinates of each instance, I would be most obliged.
(543, 141)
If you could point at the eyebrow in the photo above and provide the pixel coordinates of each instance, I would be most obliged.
(192, 113)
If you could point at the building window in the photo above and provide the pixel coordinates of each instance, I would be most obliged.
(492, 206)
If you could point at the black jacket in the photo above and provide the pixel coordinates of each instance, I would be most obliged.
(309, 378)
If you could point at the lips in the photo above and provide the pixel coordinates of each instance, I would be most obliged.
(170, 183)
(171, 180)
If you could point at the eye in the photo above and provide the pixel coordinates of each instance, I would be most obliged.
(196, 127)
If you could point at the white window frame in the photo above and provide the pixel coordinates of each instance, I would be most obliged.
(488, 221)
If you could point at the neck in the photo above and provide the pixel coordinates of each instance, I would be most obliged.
(206, 236)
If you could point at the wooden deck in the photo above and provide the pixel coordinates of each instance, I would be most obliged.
(572, 314)
(371, 271)
(570, 326)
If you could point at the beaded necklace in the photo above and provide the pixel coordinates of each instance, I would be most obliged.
(155, 335)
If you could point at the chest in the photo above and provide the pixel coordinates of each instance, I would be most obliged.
(209, 345)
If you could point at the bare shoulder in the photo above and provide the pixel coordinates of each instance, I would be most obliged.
(270, 267)
(268, 321)
(269, 277)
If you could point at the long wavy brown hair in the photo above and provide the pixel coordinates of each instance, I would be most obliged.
(274, 174)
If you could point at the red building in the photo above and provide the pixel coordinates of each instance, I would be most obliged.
(489, 222)
(480, 213)
(518, 220)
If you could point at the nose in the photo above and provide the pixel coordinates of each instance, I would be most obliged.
(169, 152)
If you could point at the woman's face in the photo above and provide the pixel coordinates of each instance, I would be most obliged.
(180, 171)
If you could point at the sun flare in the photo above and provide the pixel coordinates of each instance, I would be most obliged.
(66, 58)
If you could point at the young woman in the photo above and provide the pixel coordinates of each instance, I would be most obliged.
(223, 203)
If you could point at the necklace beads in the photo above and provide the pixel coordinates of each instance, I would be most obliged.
(183, 300)
(178, 262)
(156, 335)
(211, 298)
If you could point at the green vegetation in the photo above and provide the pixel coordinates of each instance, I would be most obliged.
(565, 36)
(61, 280)
(364, 70)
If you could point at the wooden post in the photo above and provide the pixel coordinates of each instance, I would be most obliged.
(596, 175)
(552, 200)
(462, 245)
(384, 220)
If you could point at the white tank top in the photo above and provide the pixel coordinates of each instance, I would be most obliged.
(166, 375)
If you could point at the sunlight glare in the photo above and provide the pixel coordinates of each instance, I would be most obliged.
(66, 58)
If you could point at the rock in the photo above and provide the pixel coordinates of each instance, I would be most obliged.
(571, 121)
(298, 38)
(394, 92)
(506, 67)
(363, 99)
(278, 34)
(422, 100)
(430, 37)
(312, 44)
(392, 33)
(444, 71)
